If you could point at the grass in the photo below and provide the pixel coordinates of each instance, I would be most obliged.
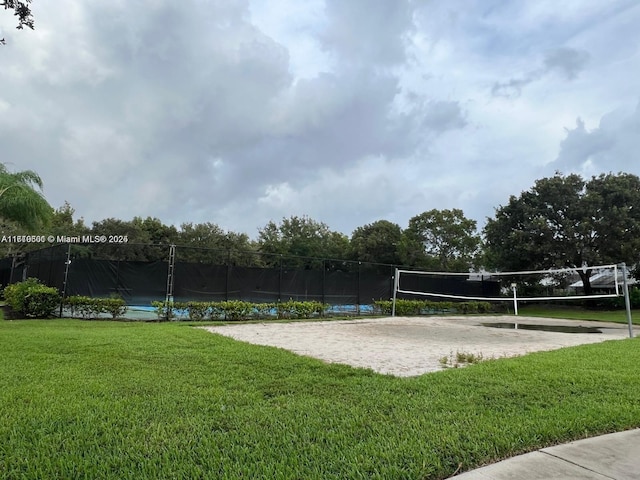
(577, 313)
(122, 400)
(461, 359)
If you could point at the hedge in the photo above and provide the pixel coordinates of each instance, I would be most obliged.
(617, 303)
(32, 299)
(407, 308)
(235, 310)
(91, 308)
(240, 310)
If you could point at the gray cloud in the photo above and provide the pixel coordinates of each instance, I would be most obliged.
(611, 147)
(189, 112)
(513, 87)
(366, 33)
(441, 116)
(199, 107)
(567, 61)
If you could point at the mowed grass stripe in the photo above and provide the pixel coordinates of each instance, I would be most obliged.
(137, 400)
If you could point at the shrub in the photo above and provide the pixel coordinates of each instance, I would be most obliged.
(216, 312)
(438, 307)
(406, 308)
(468, 307)
(236, 309)
(284, 309)
(382, 307)
(198, 311)
(617, 303)
(114, 306)
(484, 307)
(320, 308)
(42, 302)
(32, 299)
(296, 309)
(82, 306)
(89, 307)
(265, 310)
(304, 309)
(163, 310)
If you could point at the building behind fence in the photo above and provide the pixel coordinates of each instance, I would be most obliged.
(141, 274)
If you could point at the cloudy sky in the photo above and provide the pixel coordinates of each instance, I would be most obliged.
(239, 112)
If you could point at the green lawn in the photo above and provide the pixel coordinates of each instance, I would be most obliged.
(577, 313)
(120, 400)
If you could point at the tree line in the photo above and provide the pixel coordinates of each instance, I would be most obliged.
(561, 221)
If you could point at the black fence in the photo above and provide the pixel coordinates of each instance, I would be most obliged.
(141, 274)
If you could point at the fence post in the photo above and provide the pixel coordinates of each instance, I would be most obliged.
(25, 269)
(15, 263)
(67, 262)
(51, 259)
(226, 281)
(324, 279)
(395, 288)
(280, 281)
(627, 302)
(358, 293)
(168, 302)
(392, 284)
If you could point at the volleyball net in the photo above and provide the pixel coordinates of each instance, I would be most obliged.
(561, 284)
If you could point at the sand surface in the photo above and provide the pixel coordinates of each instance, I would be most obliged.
(405, 346)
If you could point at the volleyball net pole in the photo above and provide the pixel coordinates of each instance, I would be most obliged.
(396, 285)
(627, 301)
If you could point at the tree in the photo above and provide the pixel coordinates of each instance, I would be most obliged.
(140, 239)
(21, 10)
(563, 221)
(377, 242)
(153, 231)
(615, 200)
(62, 223)
(156, 235)
(134, 248)
(443, 240)
(21, 199)
(304, 238)
(208, 243)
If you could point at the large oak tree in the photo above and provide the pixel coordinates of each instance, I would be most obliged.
(565, 221)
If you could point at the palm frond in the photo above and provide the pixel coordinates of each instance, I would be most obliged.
(20, 201)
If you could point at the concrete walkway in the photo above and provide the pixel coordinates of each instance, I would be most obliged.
(615, 456)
